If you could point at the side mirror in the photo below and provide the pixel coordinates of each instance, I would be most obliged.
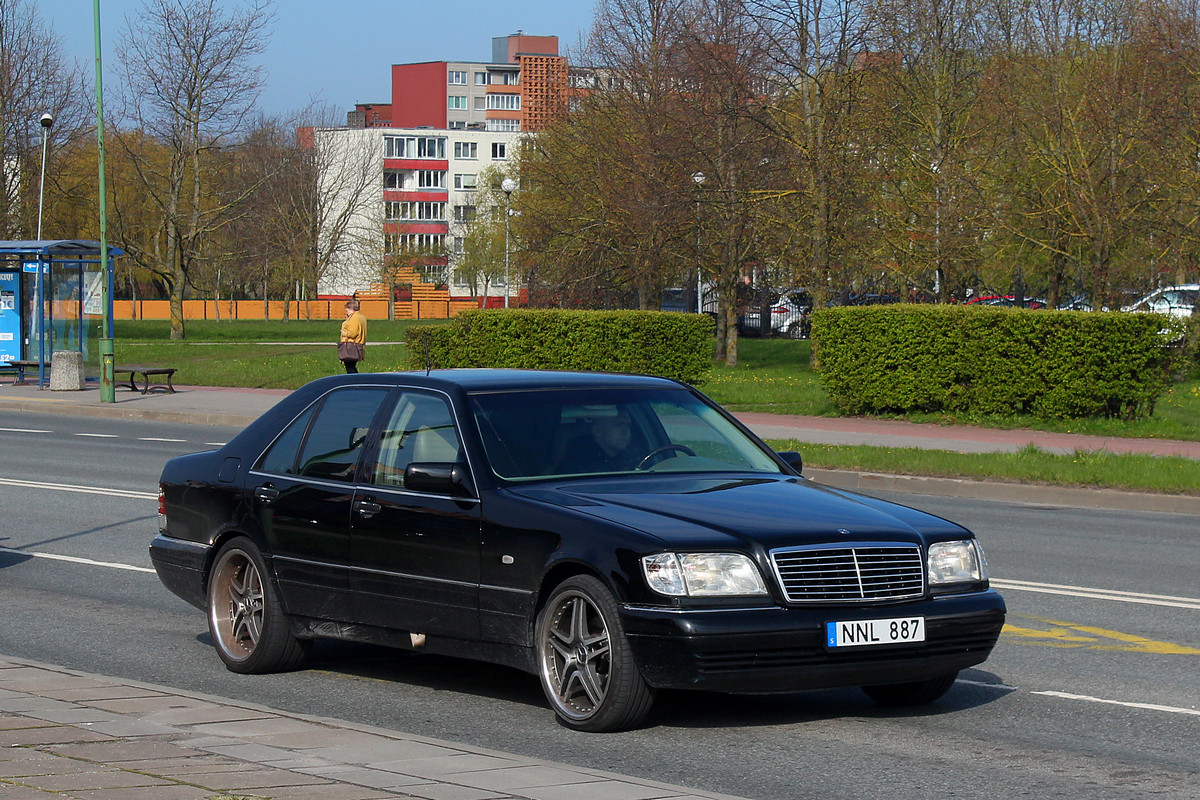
(438, 477)
(793, 460)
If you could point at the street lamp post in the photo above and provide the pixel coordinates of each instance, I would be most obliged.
(47, 123)
(698, 178)
(107, 357)
(507, 186)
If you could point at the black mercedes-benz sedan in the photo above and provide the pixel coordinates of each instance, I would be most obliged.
(613, 534)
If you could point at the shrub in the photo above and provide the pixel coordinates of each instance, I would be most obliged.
(670, 345)
(1053, 364)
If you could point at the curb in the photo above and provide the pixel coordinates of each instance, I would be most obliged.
(186, 417)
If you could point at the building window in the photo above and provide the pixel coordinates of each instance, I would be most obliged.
(466, 150)
(464, 181)
(414, 147)
(429, 243)
(499, 151)
(397, 211)
(431, 179)
(464, 214)
(506, 78)
(456, 124)
(456, 102)
(457, 77)
(504, 125)
(481, 104)
(481, 79)
(393, 179)
(504, 102)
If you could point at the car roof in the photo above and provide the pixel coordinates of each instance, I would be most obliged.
(496, 380)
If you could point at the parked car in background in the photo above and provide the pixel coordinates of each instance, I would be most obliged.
(1175, 301)
(789, 311)
(1006, 300)
(872, 299)
(1079, 302)
(611, 534)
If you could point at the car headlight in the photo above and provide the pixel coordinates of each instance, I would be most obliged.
(956, 562)
(702, 574)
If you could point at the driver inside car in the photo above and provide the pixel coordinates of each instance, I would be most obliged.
(607, 448)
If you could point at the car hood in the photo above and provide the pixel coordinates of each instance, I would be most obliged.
(733, 510)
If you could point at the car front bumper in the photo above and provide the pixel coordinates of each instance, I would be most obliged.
(783, 649)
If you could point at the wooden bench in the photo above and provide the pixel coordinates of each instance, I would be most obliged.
(147, 372)
(20, 366)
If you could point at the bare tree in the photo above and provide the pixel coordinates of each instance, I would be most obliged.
(35, 79)
(191, 82)
(819, 60)
(343, 209)
(605, 199)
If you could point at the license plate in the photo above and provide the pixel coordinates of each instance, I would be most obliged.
(865, 632)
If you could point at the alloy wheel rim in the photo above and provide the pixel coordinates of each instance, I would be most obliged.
(577, 656)
(238, 606)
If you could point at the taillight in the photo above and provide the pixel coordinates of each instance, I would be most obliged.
(162, 510)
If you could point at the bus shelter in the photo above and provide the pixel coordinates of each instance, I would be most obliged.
(52, 298)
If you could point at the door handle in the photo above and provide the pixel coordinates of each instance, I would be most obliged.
(367, 508)
(266, 493)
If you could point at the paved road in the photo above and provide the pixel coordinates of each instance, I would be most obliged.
(1092, 693)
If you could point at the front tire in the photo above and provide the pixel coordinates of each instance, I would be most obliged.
(584, 661)
(915, 693)
(246, 622)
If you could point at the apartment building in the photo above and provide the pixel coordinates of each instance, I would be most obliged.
(447, 121)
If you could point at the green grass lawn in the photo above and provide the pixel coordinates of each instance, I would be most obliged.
(296, 330)
(1135, 473)
(255, 353)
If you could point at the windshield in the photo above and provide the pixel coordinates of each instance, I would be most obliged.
(539, 434)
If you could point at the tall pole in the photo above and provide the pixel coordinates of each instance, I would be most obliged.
(698, 178)
(507, 186)
(47, 122)
(107, 388)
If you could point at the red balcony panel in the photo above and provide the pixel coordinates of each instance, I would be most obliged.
(425, 195)
(416, 163)
(416, 227)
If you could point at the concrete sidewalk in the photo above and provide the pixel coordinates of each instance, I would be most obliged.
(69, 735)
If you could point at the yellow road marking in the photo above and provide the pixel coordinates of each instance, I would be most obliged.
(1067, 635)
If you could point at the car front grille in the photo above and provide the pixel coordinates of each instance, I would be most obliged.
(851, 573)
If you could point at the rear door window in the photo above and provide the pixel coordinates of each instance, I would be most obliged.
(328, 446)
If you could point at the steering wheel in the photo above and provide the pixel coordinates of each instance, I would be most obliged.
(658, 451)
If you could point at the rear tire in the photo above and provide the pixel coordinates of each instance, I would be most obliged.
(247, 624)
(584, 661)
(915, 693)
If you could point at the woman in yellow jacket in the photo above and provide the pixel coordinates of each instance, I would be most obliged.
(352, 345)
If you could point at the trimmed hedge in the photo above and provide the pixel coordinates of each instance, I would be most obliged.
(1052, 364)
(670, 345)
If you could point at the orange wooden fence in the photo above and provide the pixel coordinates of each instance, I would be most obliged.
(311, 309)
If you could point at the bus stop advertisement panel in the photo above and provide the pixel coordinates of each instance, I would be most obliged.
(10, 316)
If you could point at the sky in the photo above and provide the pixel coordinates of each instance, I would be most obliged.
(339, 52)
